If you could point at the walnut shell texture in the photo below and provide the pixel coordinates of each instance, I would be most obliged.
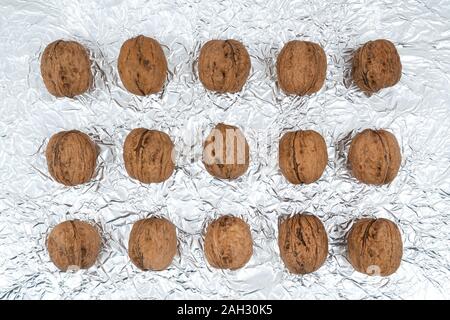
(301, 67)
(224, 65)
(228, 243)
(148, 155)
(303, 243)
(375, 246)
(73, 244)
(226, 152)
(152, 244)
(142, 66)
(71, 157)
(302, 156)
(66, 69)
(374, 157)
(376, 65)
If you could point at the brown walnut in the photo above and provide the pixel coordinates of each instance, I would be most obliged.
(303, 243)
(374, 157)
(302, 156)
(66, 69)
(301, 67)
(142, 66)
(73, 244)
(228, 243)
(375, 246)
(224, 65)
(148, 155)
(376, 65)
(71, 157)
(226, 152)
(152, 244)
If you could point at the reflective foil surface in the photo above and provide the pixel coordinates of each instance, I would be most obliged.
(416, 110)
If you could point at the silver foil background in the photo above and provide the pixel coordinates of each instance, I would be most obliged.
(416, 110)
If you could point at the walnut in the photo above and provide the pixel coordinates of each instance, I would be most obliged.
(301, 67)
(152, 244)
(66, 69)
(226, 152)
(302, 156)
(228, 243)
(375, 246)
(224, 65)
(71, 157)
(73, 244)
(148, 155)
(142, 66)
(374, 157)
(303, 243)
(376, 65)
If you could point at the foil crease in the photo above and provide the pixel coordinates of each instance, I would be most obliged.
(416, 110)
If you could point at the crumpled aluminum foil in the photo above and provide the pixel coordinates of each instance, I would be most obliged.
(416, 110)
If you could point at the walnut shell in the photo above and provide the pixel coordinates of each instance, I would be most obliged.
(376, 65)
(223, 65)
(226, 152)
(152, 244)
(228, 243)
(375, 246)
(301, 67)
(302, 156)
(73, 244)
(148, 155)
(66, 69)
(142, 66)
(374, 157)
(71, 157)
(303, 243)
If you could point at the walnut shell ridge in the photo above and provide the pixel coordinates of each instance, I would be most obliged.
(301, 67)
(142, 66)
(228, 243)
(66, 69)
(302, 156)
(71, 157)
(376, 65)
(148, 155)
(152, 244)
(374, 157)
(226, 152)
(303, 243)
(73, 244)
(375, 246)
(223, 65)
